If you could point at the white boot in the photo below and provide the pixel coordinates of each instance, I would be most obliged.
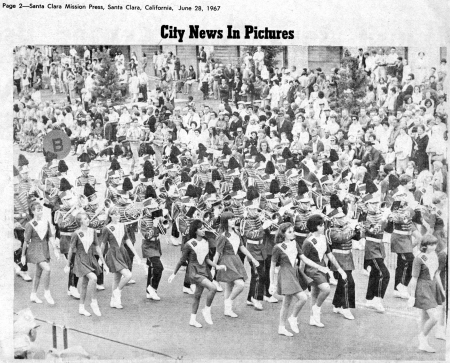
(283, 331)
(229, 309)
(95, 308)
(34, 298)
(423, 344)
(315, 317)
(293, 324)
(219, 288)
(48, 297)
(25, 276)
(379, 304)
(83, 311)
(207, 314)
(187, 290)
(347, 314)
(73, 291)
(194, 322)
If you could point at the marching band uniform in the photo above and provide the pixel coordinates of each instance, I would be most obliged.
(67, 224)
(252, 232)
(401, 243)
(374, 252)
(85, 177)
(341, 240)
(151, 250)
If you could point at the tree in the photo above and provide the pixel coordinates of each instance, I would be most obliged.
(270, 53)
(351, 84)
(107, 84)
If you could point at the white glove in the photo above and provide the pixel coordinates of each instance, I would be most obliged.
(256, 263)
(324, 269)
(343, 274)
(66, 269)
(272, 289)
(105, 268)
(411, 302)
(266, 224)
(171, 277)
(23, 260)
(221, 267)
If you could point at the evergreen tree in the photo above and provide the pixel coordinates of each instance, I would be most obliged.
(107, 84)
(351, 85)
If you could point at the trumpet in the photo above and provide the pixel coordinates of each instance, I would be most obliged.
(81, 203)
(107, 204)
(210, 229)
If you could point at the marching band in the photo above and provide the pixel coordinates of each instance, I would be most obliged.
(294, 221)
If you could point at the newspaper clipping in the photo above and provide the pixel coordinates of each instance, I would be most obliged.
(200, 181)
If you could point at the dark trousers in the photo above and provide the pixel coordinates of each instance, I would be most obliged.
(378, 279)
(17, 84)
(344, 296)
(256, 290)
(175, 232)
(20, 233)
(100, 276)
(403, 269)
(73, 279)
(266, 279)
(143, 90)
(366, 264)
(187, 281)
(155, 269)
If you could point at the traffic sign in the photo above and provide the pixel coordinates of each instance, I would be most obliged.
(57, 142)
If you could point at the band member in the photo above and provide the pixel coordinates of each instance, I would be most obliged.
(36, 250)
(196, 250)
(291, 282)
(151, 245)
(375, 254)
(228, 244)
(253, 233)
(302, 212)
(115, 236)
(315, 248)
(340, 237)
(85, 177)
(83, 246)
(426, 289)
(65, 218)
(401, 239)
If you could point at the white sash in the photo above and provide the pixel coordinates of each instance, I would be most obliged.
(432, 262)
(86, 238)
(201, 248)
(235, 241)
(41, 227)
(118, 230)
(289, 249)
(320, 246)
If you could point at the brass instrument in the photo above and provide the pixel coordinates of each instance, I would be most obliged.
(107, 204)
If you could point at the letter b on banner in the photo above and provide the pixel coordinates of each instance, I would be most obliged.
(57, 142)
